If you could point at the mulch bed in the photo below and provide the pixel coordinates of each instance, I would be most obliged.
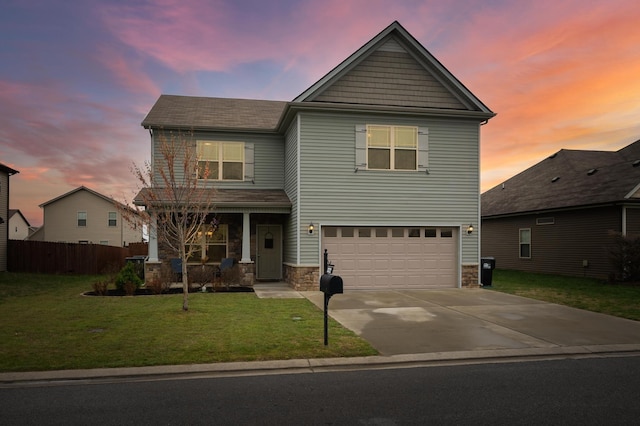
(148, 292)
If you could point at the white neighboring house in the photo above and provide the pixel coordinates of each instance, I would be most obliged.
(5, 173)
(86, 216)
(18, 225)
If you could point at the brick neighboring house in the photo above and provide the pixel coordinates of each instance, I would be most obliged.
(5, 173)
(377, 162)
(558, 216)
(85, 216)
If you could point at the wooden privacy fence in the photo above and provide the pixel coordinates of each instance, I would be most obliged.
(61, 258)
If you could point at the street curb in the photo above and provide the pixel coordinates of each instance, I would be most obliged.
(231, 369)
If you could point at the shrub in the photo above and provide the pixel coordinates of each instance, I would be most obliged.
(157, 285)
(100, 287)
(128, 279)
(200, 276)
(625, 257)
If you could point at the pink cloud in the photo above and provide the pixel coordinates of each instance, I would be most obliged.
(127, 71)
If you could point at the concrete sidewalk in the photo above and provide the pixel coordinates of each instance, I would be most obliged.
(412, 328)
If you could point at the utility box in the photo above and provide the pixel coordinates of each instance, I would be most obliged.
(330, 284)
(488, 264)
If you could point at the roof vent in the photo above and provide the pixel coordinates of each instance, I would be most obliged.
(592, 171)
(553, 155)
(636, 163)
(555, 179)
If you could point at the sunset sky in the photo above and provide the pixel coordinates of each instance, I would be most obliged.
(77, 77)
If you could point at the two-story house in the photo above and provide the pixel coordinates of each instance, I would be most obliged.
(377, 163)
(85, 216)
(5, 173)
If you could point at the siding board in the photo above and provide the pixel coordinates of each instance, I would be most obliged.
(391, 78)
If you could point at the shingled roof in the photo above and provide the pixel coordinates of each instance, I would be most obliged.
(569, 178)
(191, 112)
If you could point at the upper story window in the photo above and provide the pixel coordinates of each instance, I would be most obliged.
(220, 160)
(82, 219)
(386, 147)
(113, 221)
(392, 147)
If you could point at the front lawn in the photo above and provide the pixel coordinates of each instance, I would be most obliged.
(47, 324)
(585, 293)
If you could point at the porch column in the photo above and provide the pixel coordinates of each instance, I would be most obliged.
(153, 239)
(246, 238)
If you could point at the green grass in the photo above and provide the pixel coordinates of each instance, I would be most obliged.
(583, 293)
(47, 324)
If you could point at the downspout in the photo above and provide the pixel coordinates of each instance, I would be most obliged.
(298, 241)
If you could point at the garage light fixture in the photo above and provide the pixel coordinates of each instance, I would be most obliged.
(311, 228)
(470, 229)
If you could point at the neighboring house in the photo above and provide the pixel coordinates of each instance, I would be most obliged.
(86, 216)
(18, 225)
(558, 216)
(5, 173)
(377, 163)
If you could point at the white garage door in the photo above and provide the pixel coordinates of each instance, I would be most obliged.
(383, 258)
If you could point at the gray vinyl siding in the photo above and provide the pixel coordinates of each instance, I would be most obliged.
(291, 188)
(560, 248)
(268, 162)
(333, 193)
(390, 78)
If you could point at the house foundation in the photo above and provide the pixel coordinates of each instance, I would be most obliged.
(470, 276)
(302, 278)
(247, 274)
(152, 271)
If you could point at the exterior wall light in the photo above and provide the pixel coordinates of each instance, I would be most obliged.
(469, 229)
(311, 228)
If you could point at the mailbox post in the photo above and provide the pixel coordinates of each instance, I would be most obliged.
(329, 285)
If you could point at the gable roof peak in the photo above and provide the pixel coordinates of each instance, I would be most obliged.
(374, 68)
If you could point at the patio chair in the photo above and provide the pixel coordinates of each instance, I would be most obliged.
(176, 268)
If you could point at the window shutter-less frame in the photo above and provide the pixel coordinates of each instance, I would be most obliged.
(361, 147)
(249, 162)
(423, 150)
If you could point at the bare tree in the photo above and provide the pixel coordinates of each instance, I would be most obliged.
(177, 198)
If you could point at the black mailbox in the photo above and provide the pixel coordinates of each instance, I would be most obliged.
(331, 284)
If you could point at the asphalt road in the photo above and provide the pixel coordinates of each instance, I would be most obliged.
(592, 391)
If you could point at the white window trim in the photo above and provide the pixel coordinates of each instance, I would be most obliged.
(392, 147)
(220, 160)
(361, 151)
(115, 219)
(203, 247)
(520, 243)
(86, 219)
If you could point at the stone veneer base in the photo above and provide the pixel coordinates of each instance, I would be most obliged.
(302, 278)
(470, 276)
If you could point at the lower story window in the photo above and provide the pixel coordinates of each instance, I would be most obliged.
(525, 243)
(210, 245)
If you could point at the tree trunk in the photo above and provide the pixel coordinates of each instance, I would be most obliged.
(185, 285)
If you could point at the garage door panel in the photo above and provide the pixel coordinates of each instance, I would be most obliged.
(395, 261)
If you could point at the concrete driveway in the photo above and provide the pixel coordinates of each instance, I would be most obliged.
(427, 321)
